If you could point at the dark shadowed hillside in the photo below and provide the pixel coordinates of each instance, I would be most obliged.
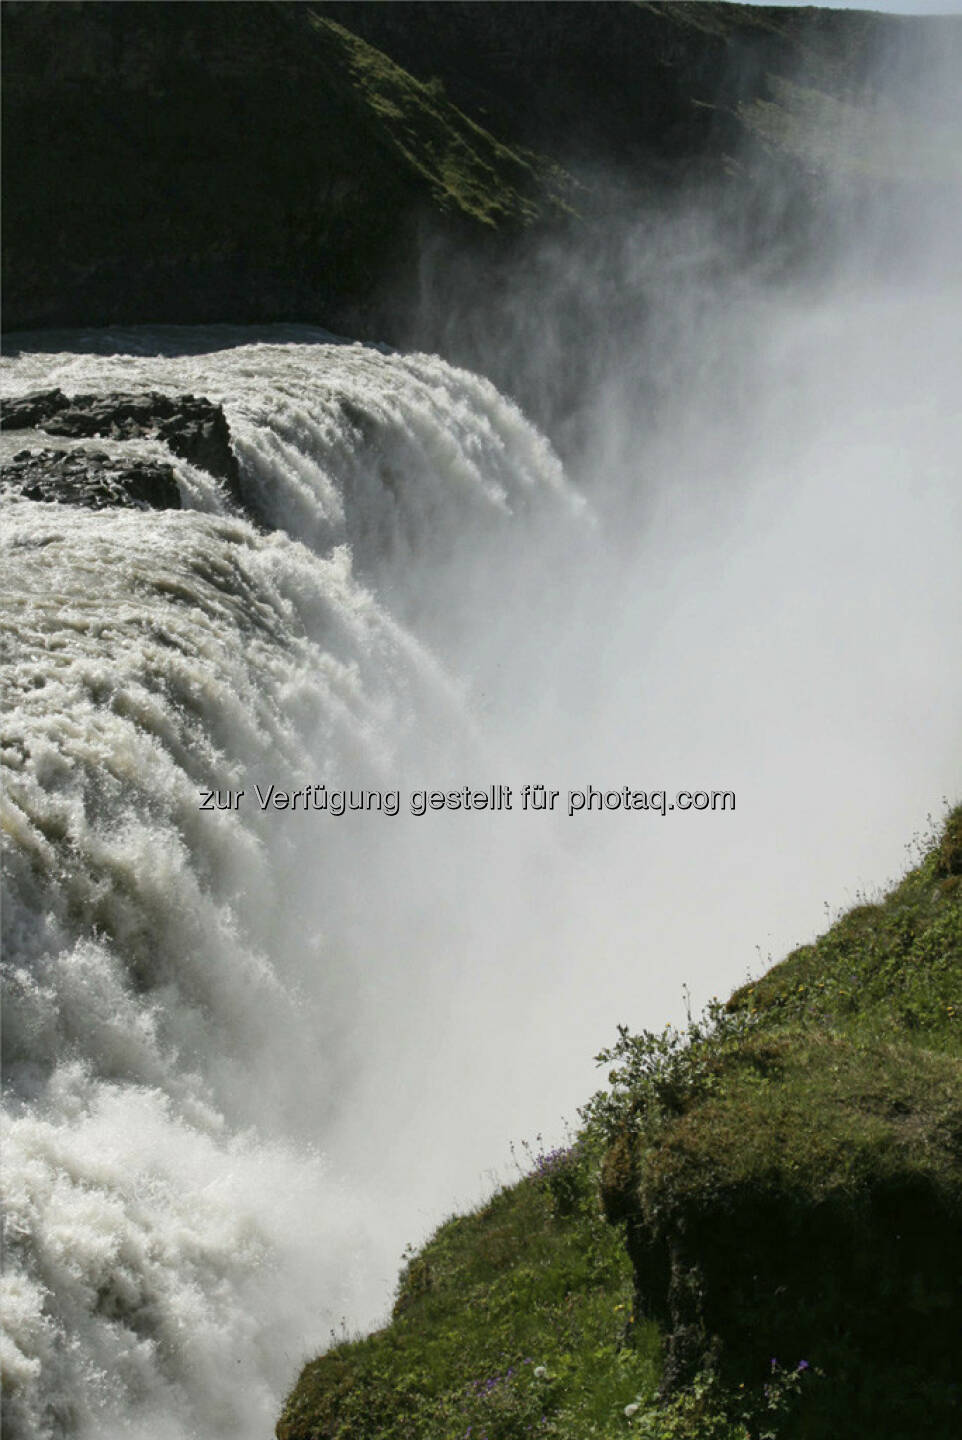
(189, 163)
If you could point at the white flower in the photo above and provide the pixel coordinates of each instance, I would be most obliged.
(540, 1372)
(631, 1410)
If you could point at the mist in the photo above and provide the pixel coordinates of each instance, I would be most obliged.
(768, 603)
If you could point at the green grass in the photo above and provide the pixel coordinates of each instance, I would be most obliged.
(883, 971)
(791, 1169)
(782, 1253)
(535, 1278)
(467, 170)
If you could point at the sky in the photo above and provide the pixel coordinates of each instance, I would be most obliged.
(899, 7)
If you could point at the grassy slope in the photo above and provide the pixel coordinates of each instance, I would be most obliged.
(493, 1297)
(465, 169)
(789, 1181)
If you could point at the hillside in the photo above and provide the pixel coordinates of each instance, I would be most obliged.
(267, 161)
(209, 162)
(756, 1233)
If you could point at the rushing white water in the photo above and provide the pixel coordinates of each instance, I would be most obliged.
(249, 1054)
(406, 460)
(172, 1237)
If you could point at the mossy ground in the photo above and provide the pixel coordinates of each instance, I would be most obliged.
(534, 1281)
(788, 1178)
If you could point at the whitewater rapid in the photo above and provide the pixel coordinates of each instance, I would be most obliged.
(176, 1243)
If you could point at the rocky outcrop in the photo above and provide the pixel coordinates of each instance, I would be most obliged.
(827, 1174)
(30, 412)
(192, 427)
(90, 479)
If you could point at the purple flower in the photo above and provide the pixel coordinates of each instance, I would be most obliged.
(804, 1365)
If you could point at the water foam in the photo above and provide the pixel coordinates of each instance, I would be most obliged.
(175, 1244)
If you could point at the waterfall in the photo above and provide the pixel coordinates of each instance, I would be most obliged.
(250, 1051)
(175, 1241)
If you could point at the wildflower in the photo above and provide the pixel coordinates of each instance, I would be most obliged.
(804, 1365)
(540, 1372)
(632, 1409)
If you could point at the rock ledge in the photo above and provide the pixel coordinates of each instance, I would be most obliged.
(193, 428)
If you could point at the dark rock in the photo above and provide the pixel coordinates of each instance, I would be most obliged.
(193, 428)
(200, 434)
(91, 479)
(28, 412)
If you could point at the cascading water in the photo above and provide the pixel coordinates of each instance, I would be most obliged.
(174, 1244)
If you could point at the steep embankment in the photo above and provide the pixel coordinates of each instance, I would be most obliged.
(188, 163)
(788, 1177)
(195, 162)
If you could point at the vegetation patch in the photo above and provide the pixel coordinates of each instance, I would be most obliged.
(757, 1234)
(513, 1321)
(466, 168)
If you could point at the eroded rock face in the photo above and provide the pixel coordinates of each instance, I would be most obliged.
(194, 428)
(91, 479)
